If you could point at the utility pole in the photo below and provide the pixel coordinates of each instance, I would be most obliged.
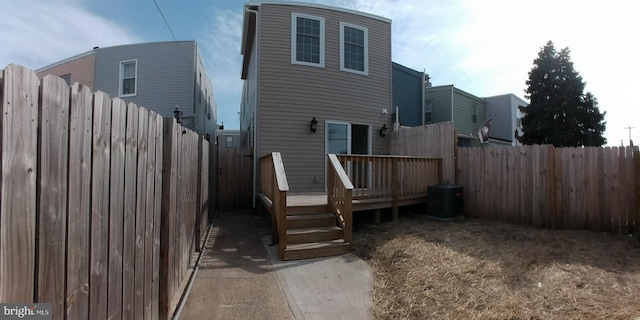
(629, 128)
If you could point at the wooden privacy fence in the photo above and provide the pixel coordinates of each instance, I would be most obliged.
(99, 201)
(235, 178)
(431, 141)
(587, 188)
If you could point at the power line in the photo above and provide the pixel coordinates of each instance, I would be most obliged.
(171, 31)
(165, 21)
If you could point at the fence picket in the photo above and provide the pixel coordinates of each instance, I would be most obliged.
(18, 193)
(98, 280)
(80, 148)
(116, 209)
(52, 193)
(129, 223)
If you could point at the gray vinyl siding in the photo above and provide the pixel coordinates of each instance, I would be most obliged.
(440, 98)
(165, 77)
(462, 112)
(290, 94)
(499, 108)
(407, 95)
(205, 116)
(248, 103)
(505, 112)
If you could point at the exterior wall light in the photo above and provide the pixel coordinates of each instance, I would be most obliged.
(314, 125)
(383, 130)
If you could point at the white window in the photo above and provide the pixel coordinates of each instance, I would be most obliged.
(354, 48)
(128, 78)
(307, 40)
(229, 141)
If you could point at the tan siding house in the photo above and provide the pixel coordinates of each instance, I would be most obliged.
(79, 68)
(303, 61)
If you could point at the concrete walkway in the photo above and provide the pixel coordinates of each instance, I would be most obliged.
(240, 277)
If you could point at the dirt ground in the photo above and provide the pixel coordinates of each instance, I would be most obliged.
(472, 269)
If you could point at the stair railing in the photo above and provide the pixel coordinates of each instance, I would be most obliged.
(339, 189)
(274, 185)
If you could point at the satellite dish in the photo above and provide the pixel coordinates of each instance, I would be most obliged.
(483, 131)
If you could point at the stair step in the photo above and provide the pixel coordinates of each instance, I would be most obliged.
(309, 235)
(316, 249)
(300, 210)
(311, 220)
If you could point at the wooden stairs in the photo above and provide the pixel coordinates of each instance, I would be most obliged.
(313, 233)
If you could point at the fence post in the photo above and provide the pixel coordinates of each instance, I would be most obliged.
(634, 222)
(554, 188)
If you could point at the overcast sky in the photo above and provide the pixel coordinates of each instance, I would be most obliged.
(483, 47)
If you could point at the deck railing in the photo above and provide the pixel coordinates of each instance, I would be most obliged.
(274, 187)
(395, 177)
(339, 196)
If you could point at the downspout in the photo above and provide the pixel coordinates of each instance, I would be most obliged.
(452, 103)
(255, 109)
(422, 88)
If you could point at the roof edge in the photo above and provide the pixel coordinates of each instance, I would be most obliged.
(320, 6)
(55, 64)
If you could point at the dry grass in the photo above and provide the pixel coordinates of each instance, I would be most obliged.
(472, 269)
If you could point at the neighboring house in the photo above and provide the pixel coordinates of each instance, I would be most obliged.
(507, 118)
(448, 103)
(228, 138)
(408, 95)
(309, 62)
(158, 76)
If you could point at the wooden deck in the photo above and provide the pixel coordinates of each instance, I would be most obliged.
(315, 202)
(319, 224)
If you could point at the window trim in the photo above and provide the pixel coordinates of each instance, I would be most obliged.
(294, 36)
(366, 48)
(121, 78)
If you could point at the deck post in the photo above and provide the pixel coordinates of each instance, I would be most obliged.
(376, 216)
(394, 188)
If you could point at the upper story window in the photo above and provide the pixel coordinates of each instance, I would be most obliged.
(474, 116)
(354, 48)
(307, 40)
(428, 108)
(128, 78)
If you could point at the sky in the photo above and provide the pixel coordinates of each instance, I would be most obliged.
(483, 47)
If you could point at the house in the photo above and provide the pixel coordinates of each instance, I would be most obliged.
(317, 80)
(159, 76)
(448, 103)
(228, 138)
(408, 94)
(507, 118)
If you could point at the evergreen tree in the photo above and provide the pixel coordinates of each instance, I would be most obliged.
(559, 112)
